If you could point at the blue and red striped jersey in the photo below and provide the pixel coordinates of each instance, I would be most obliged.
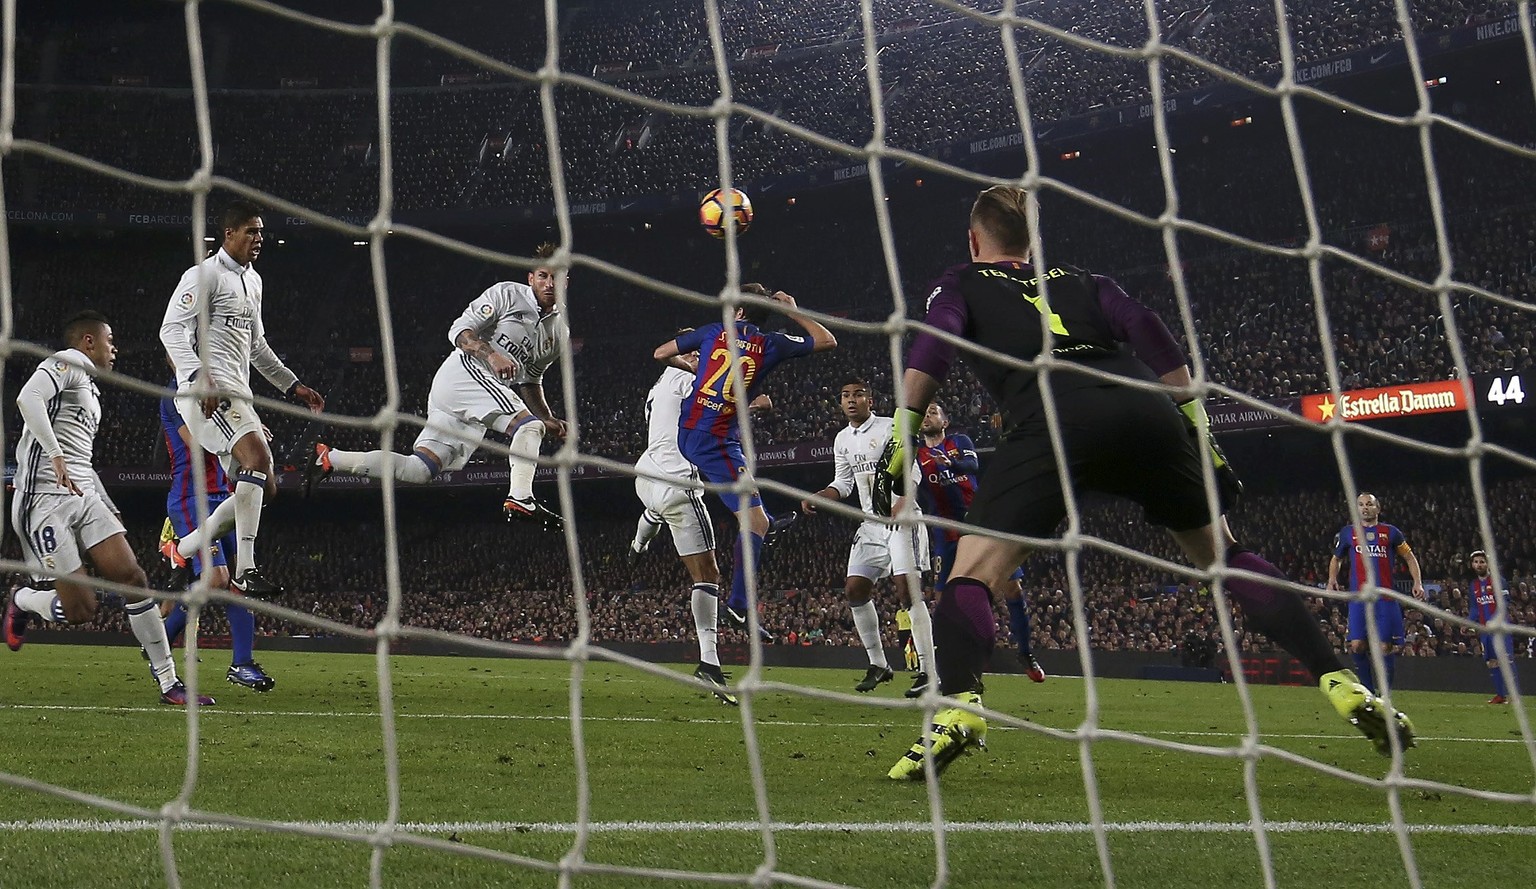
(713, 405)
(948, 485)
(183, 479)
(1482, 599)
(1376, 554)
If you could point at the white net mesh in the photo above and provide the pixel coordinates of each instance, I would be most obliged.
(1029, 42)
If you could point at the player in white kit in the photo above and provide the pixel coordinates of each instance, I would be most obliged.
(879, 549)
(493, 379)
(227, 286)
(682, 508)
(60, 512)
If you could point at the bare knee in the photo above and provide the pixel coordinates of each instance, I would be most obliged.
(858, 590)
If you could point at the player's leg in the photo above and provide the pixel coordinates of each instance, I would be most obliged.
(46, 525)
(1018, 624)
(859, 590)
(693, 536)
(1389, 621)
(1358, 637)
(908, 549)
(113, 560)
(1486, 642)
(964, 633)
(721, 461)
(527, 434)
(1282, 616)
(651, 520)
(416, 468)
(243, 668)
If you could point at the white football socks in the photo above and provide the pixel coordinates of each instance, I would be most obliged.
(218, 524)
(526, 442)
(706, 614)
(250, 490)
(371, 464)
(645, 531)
(149, 629)
(867, 621)
(43, 603)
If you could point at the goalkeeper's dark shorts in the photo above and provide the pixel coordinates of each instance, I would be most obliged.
(1125, 442)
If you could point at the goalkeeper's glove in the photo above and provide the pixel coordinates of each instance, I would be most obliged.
(1228, 486)
(894, 460)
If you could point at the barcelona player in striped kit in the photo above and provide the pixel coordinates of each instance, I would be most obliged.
(181, 519)
(707, 431)
(949, 465)
(1371, 564)
(1482, 604)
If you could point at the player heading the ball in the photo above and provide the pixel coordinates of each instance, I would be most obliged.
(494, 379)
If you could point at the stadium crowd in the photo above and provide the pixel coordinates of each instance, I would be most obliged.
(479, 141)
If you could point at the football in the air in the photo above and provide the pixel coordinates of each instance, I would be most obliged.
(723, 204)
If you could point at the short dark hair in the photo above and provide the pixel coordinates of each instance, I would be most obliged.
(1475, 553)
(755, 315)
(238, 213)
(855, 381)
(1002, 211)
(940, 405)
(81, 323)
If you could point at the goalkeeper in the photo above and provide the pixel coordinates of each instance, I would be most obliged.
(1117, 439)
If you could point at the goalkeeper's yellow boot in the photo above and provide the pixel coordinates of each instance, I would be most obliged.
(1366, 712)
(953, 732)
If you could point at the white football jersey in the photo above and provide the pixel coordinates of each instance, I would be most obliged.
(237, 340)
(663, 406)
(506, 315)
(855, 456)
(73, 406)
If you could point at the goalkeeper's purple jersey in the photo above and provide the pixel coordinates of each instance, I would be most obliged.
(1002, 306)
(713, 406)
(1482, 599)
(1373, 560)
(946, 491)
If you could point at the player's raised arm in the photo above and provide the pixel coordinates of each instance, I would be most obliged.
(822, 339)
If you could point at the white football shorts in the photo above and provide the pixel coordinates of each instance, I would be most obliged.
(234, 419)
(465, 401)
(57, 529)
(681, 508)
(881, 551)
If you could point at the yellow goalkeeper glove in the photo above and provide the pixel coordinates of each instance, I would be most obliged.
(1228, 486)
(895, 459)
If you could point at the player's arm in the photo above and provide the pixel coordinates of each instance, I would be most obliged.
(1405, 552)
(467, 333)
(178, 328)
(265, 360)
(32, 401)
(1333, 572)
(672, 351)
(822, 339)
(968, 463)
(841, 485)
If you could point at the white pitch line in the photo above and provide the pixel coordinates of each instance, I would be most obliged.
(89, 826)
(520, 717)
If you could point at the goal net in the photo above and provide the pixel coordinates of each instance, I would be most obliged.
(1307, 215)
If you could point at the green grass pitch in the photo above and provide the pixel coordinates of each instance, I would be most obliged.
(486, 761)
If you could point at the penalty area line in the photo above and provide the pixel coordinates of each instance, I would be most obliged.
(99, 826)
